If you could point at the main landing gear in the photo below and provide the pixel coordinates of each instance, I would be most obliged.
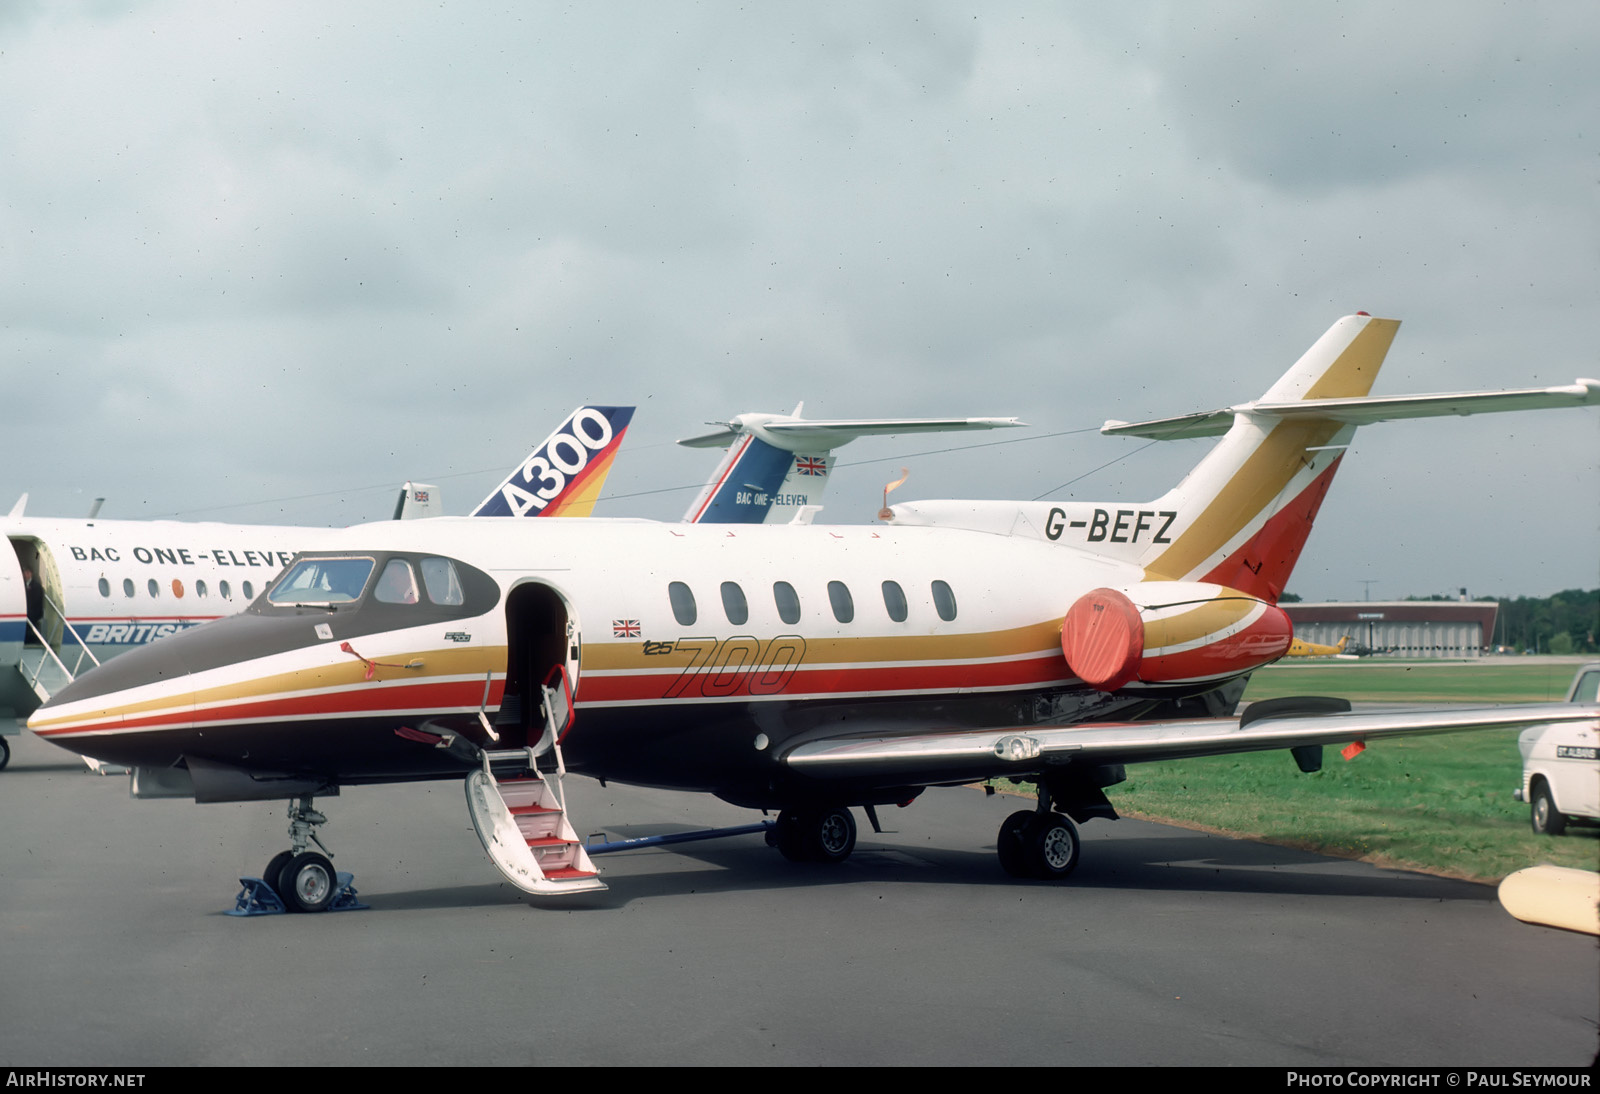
(817, 834)
(1039, 843)
(303, 880)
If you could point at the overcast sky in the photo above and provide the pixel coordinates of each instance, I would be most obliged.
(292, 254)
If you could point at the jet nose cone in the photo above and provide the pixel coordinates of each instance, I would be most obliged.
(158, 663)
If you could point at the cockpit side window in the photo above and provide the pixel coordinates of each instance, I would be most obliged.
(397, 585)
(444, 587)
(321, 581)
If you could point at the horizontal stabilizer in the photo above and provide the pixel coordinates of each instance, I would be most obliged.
(778, 464)
(1363, 411)
(827, 433)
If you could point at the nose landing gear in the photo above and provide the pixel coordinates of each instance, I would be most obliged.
(299, 879)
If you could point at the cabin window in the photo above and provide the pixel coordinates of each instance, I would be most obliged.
(444, 587)
(734, 605)
(396, 585)
(105, 587)
(249, 591)
(787, 600)
(844, 606)
(127, 587)
(177, 588)
(683, 609)
(200, 588)
(944, 601)
(894, 601)
(227, 593)
(155, 590)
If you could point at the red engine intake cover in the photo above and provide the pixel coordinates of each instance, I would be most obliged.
(1103, 639)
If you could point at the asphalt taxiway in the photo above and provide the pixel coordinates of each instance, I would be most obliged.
(1166, 947)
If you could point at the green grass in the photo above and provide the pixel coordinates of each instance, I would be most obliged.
(1441, 804)
(1487, 681)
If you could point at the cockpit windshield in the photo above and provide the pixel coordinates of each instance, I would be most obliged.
(322, 581)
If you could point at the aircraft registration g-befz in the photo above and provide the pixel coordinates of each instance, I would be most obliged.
(807, 669)
(108, 586)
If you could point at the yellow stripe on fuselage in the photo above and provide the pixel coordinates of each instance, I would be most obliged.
(436, 663)
(823, 652)
(1192, 627)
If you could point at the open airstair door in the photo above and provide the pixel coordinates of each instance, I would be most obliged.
(520, 815)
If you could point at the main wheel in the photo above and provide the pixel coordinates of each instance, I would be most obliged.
(274, 868)
(815, 835)
(833, 832)
(308, 883)
(5, 753)
(1011, 844)
(1547, 819)
(1052, 845)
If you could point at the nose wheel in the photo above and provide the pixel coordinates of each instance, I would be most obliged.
(304, 880)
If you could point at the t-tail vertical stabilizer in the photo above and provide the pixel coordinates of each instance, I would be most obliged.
(1206, 562)
(1241, 518)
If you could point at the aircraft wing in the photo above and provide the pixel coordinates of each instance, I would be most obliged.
(969, 755)
(1364, 411)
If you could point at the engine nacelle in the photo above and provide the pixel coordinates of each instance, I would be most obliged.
(1170, 632)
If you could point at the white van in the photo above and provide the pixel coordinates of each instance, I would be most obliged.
(1561, 764)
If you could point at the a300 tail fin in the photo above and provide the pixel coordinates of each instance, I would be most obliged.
(563, 476)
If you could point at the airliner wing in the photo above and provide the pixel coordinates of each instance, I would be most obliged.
(968, 755)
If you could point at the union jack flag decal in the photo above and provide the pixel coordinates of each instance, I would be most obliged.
(420, 495)
(811, 465)
(625, 628)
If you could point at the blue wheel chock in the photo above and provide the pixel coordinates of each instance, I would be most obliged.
(257, 898)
